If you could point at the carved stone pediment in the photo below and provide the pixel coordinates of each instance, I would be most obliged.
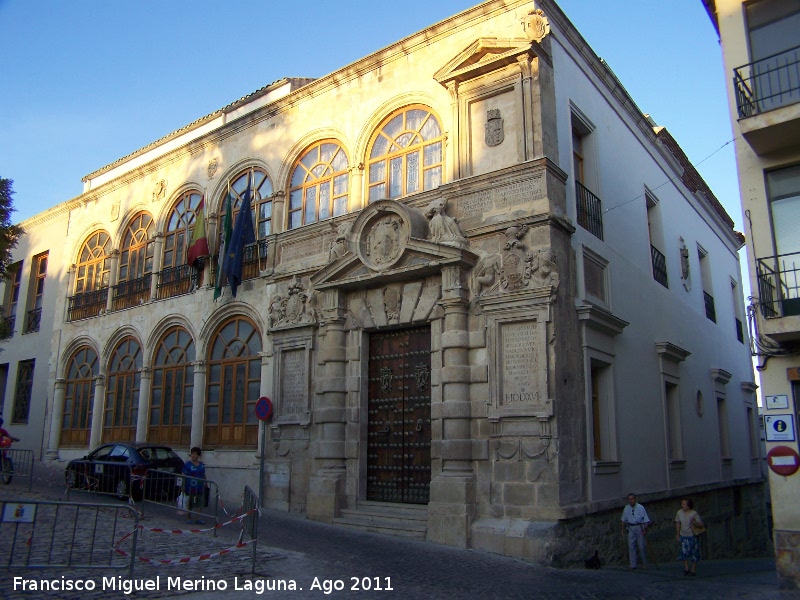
(389, 242)
(485, 55)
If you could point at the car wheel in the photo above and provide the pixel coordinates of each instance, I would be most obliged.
(122, 489)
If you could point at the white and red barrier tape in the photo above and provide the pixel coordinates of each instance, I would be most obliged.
(186, 559)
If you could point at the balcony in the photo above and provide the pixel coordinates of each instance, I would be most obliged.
(779, 286)
(255, 259)
(768, 101)
(659, 266)
(33, 321)
(590, 210)
(87, 304)
(131, 293)
(175, 281)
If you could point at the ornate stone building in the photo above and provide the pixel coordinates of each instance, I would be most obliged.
(466, 300)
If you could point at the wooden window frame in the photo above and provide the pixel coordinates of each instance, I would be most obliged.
(173, 361)
(314, 180)
(79, 397)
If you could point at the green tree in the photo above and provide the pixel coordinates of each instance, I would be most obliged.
(9, 236)
(9, 233)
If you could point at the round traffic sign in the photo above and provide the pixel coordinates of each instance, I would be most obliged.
(783, 460)
(263, 409)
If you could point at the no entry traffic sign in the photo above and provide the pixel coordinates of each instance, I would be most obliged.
(263, 409)
(783, 460)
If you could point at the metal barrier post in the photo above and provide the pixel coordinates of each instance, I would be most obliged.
(250, 502)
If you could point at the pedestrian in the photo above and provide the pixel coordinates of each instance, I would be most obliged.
(686, 520)
(634, 524)
(194, 472)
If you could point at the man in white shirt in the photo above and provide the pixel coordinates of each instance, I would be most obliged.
(635, 522)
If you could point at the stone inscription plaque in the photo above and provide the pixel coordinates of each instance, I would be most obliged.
(502, 197)
(519, 363)
(294, 379)
(306, 247)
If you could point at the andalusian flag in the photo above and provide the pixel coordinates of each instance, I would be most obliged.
(198, 245)
(224, 242)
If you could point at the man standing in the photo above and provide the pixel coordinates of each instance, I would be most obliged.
(635, 521)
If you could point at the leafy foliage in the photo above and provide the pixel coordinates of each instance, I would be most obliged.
(9, 233)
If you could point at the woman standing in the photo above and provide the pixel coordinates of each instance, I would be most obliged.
(685, 518)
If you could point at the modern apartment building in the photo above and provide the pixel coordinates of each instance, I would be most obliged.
(760, 42)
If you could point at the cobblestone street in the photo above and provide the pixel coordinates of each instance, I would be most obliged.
(312, 559)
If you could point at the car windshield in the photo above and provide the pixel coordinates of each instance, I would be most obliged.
(156, 453)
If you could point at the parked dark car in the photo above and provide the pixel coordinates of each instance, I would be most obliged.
(137, 469)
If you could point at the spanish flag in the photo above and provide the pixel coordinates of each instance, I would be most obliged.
(198, 245)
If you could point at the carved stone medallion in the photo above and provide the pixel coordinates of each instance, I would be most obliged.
(494, 128)
(536, 25)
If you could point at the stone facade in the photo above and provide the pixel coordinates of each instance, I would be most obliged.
(463, 324)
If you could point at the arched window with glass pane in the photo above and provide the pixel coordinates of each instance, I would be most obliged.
(234, 383)
(176, 277)
(76, 424)
(261, 187)
(319, 184)
(122, 392)
(172, 389)
(91, 277)
(135, 263)
(405, 154)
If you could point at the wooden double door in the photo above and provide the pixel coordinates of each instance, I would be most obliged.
(399, 416)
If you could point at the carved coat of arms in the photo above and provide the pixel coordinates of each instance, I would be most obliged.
(516, 262)
(494, 128)
(384, 244)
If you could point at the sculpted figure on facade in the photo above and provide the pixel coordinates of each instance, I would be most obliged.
(544, 269)
(516, 266)
(340, 245)
(294, 308)
(443, 228)
(484, 275)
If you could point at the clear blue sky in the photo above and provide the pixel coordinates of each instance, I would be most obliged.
(85, 82)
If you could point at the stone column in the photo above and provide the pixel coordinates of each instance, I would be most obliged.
(143, 413)
(279, 211)
(158, 258)
(327, 485)
(198, 402)
(455, 156)
(56, 418)
(113, 274)
(356, 188)
(453, 493)
(97, 410)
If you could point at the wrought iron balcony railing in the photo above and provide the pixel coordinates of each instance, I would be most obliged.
(174, 281)
(590, 210)
(34, 320)
(711, 313)
(7, 327)
(779, 285)
(131, 293)
(659, 266)
(255, 259)
(87, 304)
(767, 84)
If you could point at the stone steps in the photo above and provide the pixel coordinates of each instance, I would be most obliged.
(403, 520)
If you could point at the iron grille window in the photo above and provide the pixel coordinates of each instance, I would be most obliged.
(659, 266)
(7, 327)
(709, 301)
(739, 331)
(590, 210)
(22, 394)
(34, 320)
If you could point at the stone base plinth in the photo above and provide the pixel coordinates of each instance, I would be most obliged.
(325, 496)
(787, 559)
(451, 510)
(529, 540)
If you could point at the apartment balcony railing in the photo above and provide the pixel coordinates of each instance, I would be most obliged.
(779, 285)
(87, 304)
(7, 327)
(769, 83)
(175, 281)
(33, 321)
(711, 313)
(131, 293)
(659, 266)
(590, 210)
(255, 258)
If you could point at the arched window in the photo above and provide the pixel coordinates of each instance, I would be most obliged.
(172, 388)
(234, 383)
(405, 154)
(135, 263)
(122, 392)
(176, 277)
(76, 424)
(319, 185)
(91, 277)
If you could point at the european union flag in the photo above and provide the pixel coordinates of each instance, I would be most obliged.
(243, 234)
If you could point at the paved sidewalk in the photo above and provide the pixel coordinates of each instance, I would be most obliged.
(305, 559)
